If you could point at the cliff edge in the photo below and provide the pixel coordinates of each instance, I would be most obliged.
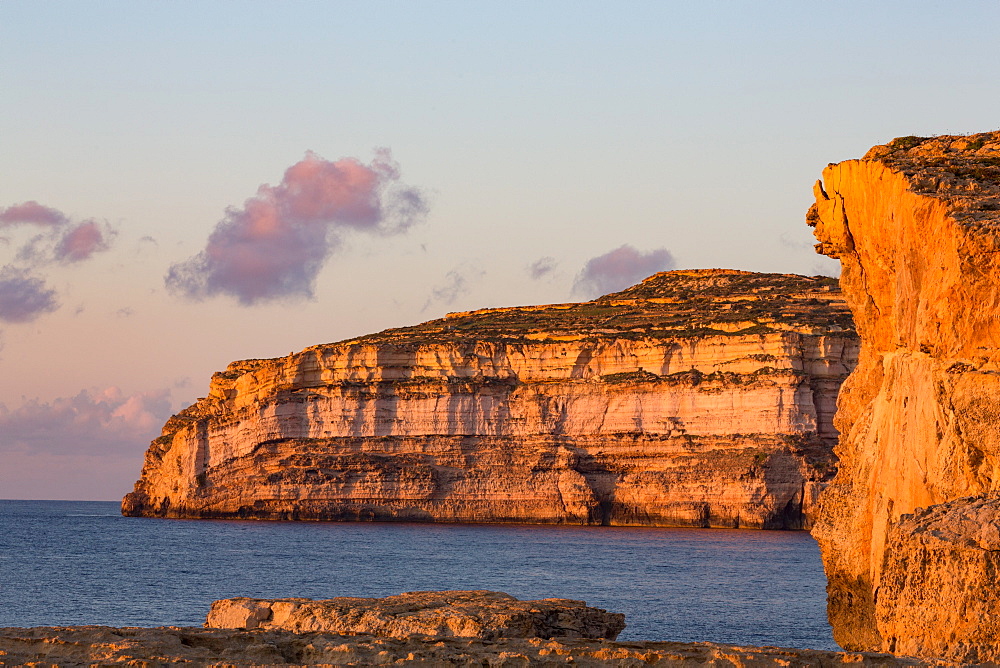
(696, 398)
(909, 527)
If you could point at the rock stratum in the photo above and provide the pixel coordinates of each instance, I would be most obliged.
(910, 527)
(696, 398)
(486, 615)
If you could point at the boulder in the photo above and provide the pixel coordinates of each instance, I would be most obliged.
(486, 615)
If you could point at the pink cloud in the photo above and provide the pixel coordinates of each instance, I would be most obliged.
(31, 213)
(275, 245)
(618, 269)
(93, 422)
(80, 242)
(88, 446)
(24, 297)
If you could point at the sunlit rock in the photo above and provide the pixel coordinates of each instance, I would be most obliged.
(486, 615)
(696, 398)
(908, 527)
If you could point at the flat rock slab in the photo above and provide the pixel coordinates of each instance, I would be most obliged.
(80, 646)
(486, 615)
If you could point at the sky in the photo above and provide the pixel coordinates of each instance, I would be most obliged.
(185, 184)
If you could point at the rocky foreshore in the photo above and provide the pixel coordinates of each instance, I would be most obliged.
(453, 628)
(70, 647)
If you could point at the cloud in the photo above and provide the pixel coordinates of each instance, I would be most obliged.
(542, 267)
(275, 245)
(826, 267)
(618, 269)
(94, 422)
(798, 241)
(24, 297)
(82, 241)
(67, 245)
(456, 283)
(31, 213)
(89, 446)
(62, 241)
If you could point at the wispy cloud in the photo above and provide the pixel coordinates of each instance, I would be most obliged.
(275, 245)
(542, 267)
(93, 422)
(24, 294)
(456, 283)
(24, 297)
(826, 267)
(61, 241)
(88, 446)
(618, 269)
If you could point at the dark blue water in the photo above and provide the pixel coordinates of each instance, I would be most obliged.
(64, 562)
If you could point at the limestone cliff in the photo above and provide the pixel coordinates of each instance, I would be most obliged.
(908, 528)
(696, 398)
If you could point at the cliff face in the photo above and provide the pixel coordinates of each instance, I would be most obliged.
(908, 528)
(700, 398)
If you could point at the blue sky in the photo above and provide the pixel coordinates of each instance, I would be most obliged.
(554, 132)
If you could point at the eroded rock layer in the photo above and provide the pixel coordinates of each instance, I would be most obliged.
(696, 398)
(486, 615)
(909, 527)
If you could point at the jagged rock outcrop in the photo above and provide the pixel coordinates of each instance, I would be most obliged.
(908, 528)
(486, 615)
(85, 646)
(696, 398)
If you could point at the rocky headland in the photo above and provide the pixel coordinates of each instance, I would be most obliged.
(910, 527)
(696, 398)
(471, 628)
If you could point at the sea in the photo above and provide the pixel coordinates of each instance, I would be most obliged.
(78, 562)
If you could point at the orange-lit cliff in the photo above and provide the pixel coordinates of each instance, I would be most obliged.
(696, 398)
(910, 527)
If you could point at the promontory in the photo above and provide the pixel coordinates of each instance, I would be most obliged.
(695, 398)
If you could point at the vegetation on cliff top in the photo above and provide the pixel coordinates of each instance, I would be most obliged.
(965, 170)
(670, 304)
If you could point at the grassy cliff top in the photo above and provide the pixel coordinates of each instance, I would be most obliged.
(963, 169)
(669, 304)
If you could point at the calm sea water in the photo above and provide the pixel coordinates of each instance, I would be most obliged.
(64, 562)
